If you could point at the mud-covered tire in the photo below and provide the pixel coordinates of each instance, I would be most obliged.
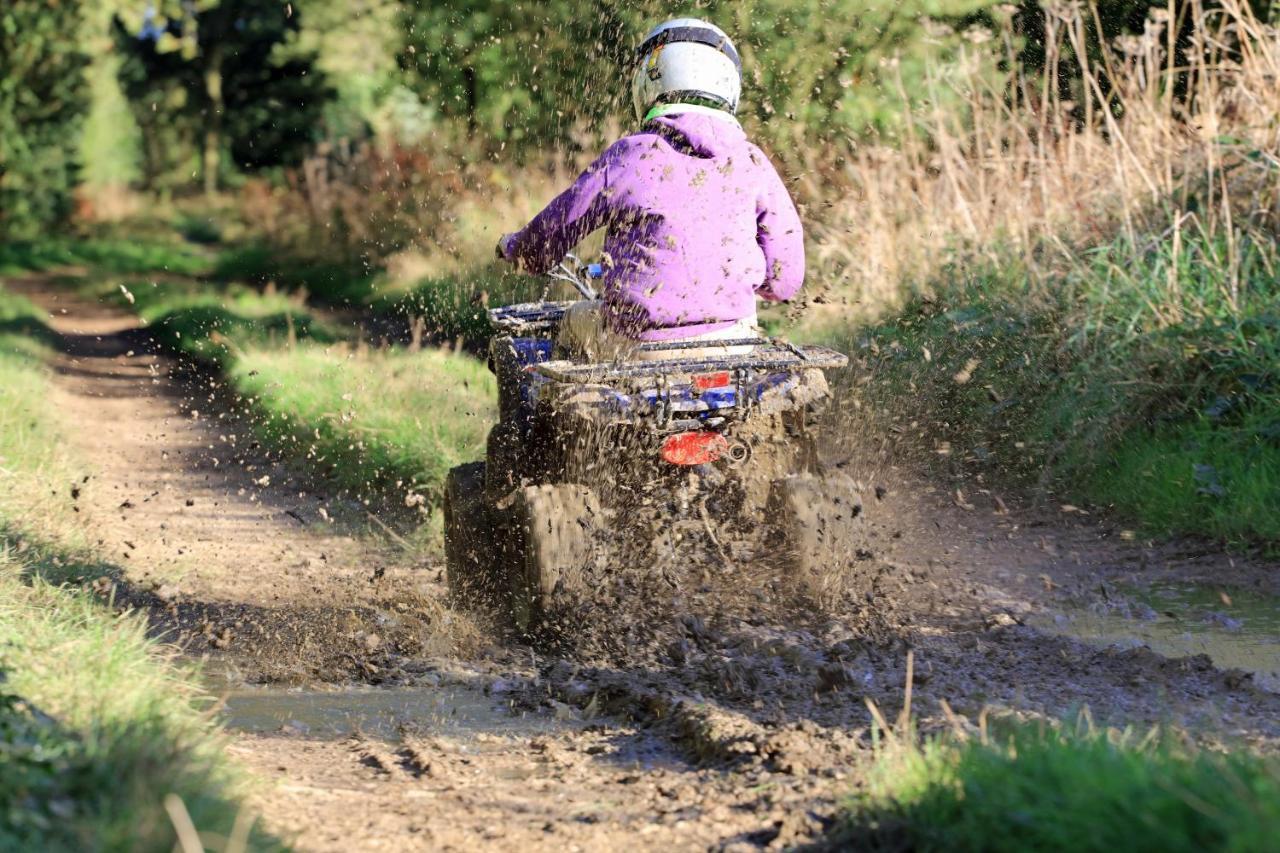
(471, 562)
(504, 455)
(819, 518)
(556, 526)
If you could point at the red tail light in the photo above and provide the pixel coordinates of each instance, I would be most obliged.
(711, 380)
(694, 448)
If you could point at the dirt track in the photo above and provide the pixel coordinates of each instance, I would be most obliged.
(728, 731)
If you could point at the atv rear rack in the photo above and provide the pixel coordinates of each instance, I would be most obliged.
(527, 317)
(766, 355)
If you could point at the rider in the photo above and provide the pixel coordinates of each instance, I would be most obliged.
(698, 222)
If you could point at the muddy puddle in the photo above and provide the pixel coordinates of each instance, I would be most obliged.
(1236, 628)
(381, 713)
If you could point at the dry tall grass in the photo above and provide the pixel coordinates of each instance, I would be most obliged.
(1149, 150)
(418, 213)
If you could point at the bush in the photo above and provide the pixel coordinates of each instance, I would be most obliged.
(43, 100)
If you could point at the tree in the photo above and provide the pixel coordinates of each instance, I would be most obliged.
(513, 71)
(43, 100)
(229, 70)
(521, 72)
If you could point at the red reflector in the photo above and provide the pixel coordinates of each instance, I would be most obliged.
(694, 448)
(711, 380)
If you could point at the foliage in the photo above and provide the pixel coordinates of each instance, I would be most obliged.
(345, 211)
(527, 74)
(357, 44)
(43, 99)
(110, 145)
(221, 70)
(1086, 300)
(1060, 790)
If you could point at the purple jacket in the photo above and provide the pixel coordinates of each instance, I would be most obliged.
(699, 225)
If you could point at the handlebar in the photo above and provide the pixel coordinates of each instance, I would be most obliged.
(578, 274)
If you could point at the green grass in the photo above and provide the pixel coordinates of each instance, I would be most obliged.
(98, 727)
(23, 333)
(31, 468)
(454, 306)
(1099, 384)
(347, 283)
(213, 324)
(115, 255)
(1196, 477)
(372, 421)
(1037, 790)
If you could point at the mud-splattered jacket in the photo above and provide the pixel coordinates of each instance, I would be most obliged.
(698, 225)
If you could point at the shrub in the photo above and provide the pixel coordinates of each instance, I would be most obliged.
(43, 100)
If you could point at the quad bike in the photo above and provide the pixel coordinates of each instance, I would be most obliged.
(716, 446)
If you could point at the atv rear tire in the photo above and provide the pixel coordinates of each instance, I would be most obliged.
(819, 517)
(555, 525)
(472, 564)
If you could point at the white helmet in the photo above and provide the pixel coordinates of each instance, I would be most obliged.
(686, 60)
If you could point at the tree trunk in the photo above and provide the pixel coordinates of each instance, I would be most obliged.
(213, 121)
(153, 155)
(471, 84)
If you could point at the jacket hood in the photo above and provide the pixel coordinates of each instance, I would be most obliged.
(706, 134)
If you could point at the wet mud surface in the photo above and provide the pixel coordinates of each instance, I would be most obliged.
(377, 718)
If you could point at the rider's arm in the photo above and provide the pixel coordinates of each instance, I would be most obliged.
(781, 237)
(563, 223)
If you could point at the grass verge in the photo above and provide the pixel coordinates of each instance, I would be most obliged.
(453, 306)
(104, 743)
(34, 477)
(372, 422)
(214, 326)
(348, 283)
(1052, 790)
(1098, 384)
(116, 256)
